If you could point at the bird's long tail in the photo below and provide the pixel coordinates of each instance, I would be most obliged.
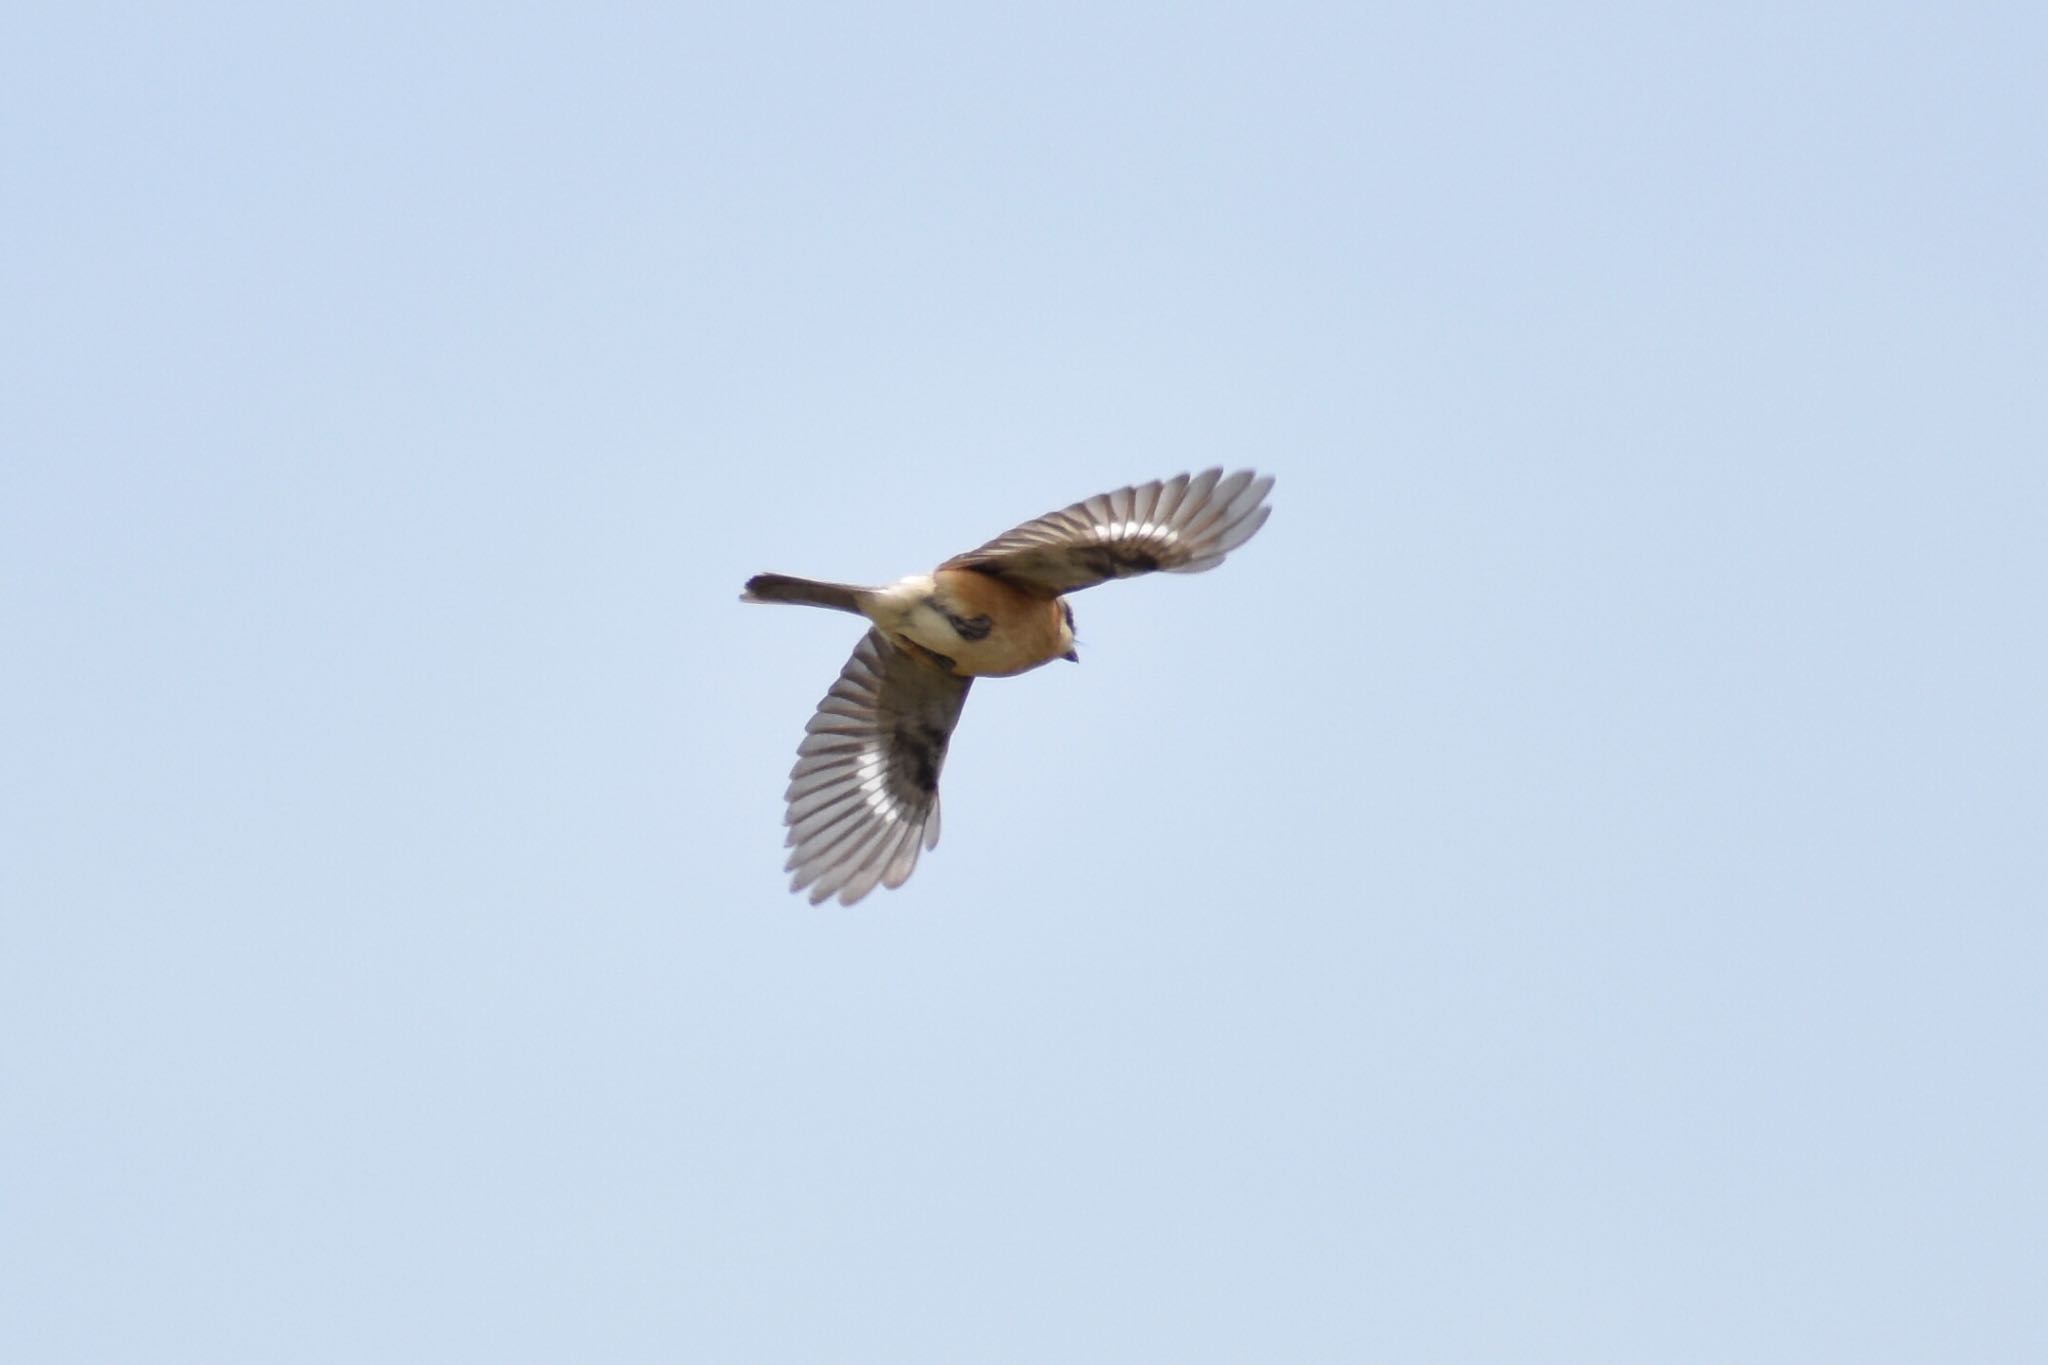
(777, 587)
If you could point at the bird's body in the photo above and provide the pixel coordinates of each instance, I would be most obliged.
(973, 623)
(864, 793)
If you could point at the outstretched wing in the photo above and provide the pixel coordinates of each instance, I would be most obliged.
(1178, 525)
(864, 794)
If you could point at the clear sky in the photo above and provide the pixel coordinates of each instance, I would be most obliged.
(1571, 889)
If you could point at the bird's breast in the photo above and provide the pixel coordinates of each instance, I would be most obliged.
(984, 626)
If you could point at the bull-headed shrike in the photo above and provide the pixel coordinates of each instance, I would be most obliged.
(864, 794)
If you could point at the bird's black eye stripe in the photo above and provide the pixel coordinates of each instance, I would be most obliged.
(1067, 612)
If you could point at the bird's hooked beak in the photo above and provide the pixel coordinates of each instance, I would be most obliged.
(1071, 657)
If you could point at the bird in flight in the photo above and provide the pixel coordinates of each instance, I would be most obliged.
(864, 794)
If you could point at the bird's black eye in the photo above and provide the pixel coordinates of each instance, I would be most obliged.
(1067, 612)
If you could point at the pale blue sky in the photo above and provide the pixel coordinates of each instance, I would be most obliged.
(1570, 890)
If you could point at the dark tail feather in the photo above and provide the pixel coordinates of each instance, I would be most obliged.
(777, 587)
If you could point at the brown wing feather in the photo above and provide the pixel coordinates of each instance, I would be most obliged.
(1180, 525)
(864, 794)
